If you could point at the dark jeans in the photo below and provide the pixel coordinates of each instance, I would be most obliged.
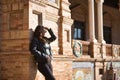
(46, 70)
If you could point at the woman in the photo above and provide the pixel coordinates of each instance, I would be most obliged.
(40, 48)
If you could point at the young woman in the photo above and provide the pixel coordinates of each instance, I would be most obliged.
(41, 49)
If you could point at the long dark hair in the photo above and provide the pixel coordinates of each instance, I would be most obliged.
(37, 31)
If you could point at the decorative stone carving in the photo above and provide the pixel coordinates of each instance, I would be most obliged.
(83, 71)
(116, 51)
(51, 17)
(77, 49)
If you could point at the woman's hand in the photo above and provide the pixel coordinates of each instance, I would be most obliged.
(46, 28)
(48, 58)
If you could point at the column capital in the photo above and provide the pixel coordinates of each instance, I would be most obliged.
(99, 1)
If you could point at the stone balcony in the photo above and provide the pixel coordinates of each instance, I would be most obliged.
(109, 53)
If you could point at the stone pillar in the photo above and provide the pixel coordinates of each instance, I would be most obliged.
(105, 70)
(100, 20)
(65, 23)
(91, 21)
(100, 27)
(97, 75)
(16, 62)
(93, 44)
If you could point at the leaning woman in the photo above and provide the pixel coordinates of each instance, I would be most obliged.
(41, 49)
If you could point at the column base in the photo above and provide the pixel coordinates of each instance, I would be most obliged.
(103, 42)
(103, 50)
(94, 49)
(93, 40)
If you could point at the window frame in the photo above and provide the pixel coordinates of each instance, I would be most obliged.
(80, 27)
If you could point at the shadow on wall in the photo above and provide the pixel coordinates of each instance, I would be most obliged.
(31, 34)
(33, 69)
(33, 64)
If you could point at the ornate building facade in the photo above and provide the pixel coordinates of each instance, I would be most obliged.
(87, 45)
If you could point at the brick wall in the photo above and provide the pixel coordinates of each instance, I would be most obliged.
(16, 62)
(17, 66)
(62, 69)
(14, 26)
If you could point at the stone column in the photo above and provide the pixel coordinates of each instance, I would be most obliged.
(100, 27)
(100, 20)
(105, 70)
(65, 23)
(91, 21)
(92, 38)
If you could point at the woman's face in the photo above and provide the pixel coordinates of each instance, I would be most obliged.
(43, 31)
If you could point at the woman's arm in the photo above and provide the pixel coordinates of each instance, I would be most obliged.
(53, 37)
(34, 50)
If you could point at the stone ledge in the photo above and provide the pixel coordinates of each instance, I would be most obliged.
(15, 53)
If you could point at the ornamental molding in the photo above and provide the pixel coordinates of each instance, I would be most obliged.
(40, 2)
(77, 49)
(51, 17)
(67, 21)
(45, 3)
(115, 50)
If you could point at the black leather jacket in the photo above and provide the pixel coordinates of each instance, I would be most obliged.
(41, 50)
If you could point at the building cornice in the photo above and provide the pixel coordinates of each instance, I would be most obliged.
(39, 2)
(51, 17)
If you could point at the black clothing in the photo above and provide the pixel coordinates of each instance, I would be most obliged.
(46, 70)
(41, 51)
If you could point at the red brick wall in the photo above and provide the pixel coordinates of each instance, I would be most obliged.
(62, 69)
(15, 61)
(17, 66)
